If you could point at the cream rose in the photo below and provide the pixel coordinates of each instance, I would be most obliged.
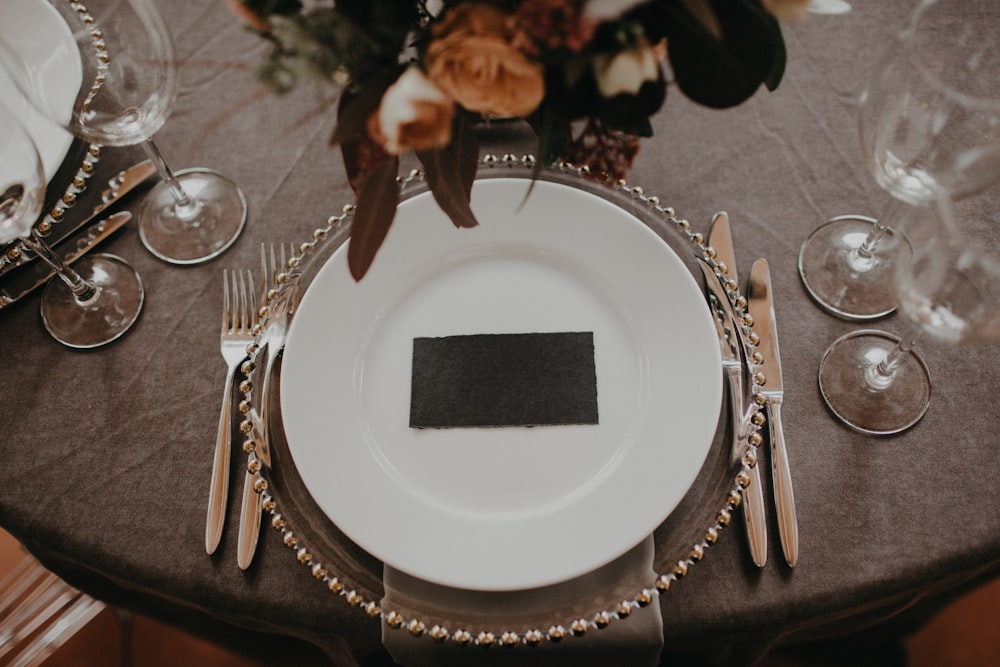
(414, 114)
(626, 71)
(470, 58)
(787, 9)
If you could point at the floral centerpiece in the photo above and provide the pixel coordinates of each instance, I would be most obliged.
(587, 75)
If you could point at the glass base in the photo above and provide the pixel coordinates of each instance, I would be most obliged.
(840, 283)
(890, 409)
(218, 219)
(102, 318)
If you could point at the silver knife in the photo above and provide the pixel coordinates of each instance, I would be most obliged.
(118, 186)
(761, 308)
(720, 237)
(36, 274)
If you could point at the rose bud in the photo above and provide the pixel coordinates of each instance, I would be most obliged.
(414, 114)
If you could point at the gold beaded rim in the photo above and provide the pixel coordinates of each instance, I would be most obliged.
(13, 255)
(286, 283)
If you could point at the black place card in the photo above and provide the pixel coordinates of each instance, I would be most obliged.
(508, 379)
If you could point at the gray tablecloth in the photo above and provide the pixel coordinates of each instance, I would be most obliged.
(107, 454)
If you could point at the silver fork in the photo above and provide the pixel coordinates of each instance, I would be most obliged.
(239, 315)
(279, 309)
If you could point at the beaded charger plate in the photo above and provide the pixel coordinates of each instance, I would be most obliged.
(663, 411)
(55, 70)
(515, 507)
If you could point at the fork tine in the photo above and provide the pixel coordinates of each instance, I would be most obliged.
(244, 309)
(273, 282)
(252, 301)
(226, 318)
(246, 298)
(264, 277)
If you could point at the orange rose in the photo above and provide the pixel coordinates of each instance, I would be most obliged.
(413, 115)
(470, 57)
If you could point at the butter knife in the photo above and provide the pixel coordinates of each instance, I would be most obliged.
(34, 275)
(117, 187)
(761, 299)
(720, 237)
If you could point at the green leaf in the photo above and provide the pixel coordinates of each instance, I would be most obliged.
(373, 215)
(451, 171)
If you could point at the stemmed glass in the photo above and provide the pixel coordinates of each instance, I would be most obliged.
(949, 288)
(128, 86)
(98, 299)
(929, 121)
(829, 6)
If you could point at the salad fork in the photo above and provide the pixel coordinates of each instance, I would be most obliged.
(279, 305)
(239, 315)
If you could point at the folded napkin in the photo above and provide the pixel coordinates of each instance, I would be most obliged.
(636, 640)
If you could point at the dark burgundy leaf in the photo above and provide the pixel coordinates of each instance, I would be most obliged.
(358, 103)
(361, 155)
(713, 72)
(375, 211)
(465, 146)
(450, 172)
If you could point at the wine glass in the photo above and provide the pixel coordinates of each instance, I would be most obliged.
(129, 84)
(929, 121)
(97, 300)
(949, 289)
(829, 6)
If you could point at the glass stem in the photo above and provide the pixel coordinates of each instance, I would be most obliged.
(880, 375)
(82, 289)
(864, 256)
(184, 206)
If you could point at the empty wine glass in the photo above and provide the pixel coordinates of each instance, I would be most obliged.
(129, 84)
(829, 6)
(948, 289)
(98, 299)
(929, 121)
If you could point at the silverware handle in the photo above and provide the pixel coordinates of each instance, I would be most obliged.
(218, 490)
(250, 514)
(753, 496)
(784, 498)
(755, 517)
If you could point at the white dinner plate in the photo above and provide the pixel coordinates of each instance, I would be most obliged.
(37, 33)
(515, 507)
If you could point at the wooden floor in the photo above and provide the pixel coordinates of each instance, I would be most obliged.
(965, 634)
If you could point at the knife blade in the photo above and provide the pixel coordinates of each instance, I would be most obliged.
(761, 306)
(36, 274)
(117, 187)
(720, 237)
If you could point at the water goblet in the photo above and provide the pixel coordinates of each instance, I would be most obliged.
(948, 289)
(97, 300)
(129, 85)
(928, 121)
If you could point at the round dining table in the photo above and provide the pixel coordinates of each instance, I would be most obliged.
(108, 452)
